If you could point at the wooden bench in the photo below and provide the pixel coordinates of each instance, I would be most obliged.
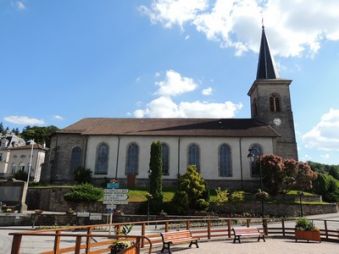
(177, 237)
(247, 233)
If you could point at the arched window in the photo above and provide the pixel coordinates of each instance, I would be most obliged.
(225, 160)
(257, 151)
(132, 159)
(194, 155)
(254, 107)
(101, 162)
(165, 158)
(274, 103)
(75, 158)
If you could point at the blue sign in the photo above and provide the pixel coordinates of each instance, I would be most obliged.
(114, 185)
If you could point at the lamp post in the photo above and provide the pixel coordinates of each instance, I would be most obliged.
(149, 196)
(30, 161)
(254, 155)
(301, 194)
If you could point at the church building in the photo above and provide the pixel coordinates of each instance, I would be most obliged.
(120, 147)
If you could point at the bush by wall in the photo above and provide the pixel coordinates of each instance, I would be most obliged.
(84, 192)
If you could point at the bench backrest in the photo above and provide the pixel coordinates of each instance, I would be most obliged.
(176, 235)
(239, 231)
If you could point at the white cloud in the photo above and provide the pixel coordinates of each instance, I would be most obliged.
(165, 107)
(294, 28)
(58, 117)
(325, 156)
(207, 91)
(24, 120)
(324, 135)
(20, 5)
(175, 84)
(174, 12)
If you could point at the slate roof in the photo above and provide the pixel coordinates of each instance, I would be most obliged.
(171, 127)
(266, 68)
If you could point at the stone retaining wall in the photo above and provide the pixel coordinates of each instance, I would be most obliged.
(52, 199)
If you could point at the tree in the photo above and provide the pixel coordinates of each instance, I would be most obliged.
(280, 175)
(191, 191)
(326, 186)
(1, 128)
(305, 177)
(155, 166)
(334, 171)
(273, 173)
(40, 135)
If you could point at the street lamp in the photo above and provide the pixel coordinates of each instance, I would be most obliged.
(254, 155)
(149, 195)
(301, 194)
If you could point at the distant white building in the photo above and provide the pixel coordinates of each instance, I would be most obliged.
(15, 156)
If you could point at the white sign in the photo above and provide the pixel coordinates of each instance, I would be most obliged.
(107, 202)
(95, 216)
(111, 207)
(108, 191)
(120, 196)
(82, 214)
(120, 202)
(120, 191)
(115, 202)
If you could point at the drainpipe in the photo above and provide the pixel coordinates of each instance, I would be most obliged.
(241, 169)
(117, 163)
(179, 143)
(85, 152)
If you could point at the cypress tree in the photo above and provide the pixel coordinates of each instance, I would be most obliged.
(155, 187)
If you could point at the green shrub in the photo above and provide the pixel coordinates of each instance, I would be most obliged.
(84, 193)
(191, 188)
(304, 224)
(221, 197)
(237, 196)
(326, 186)
(202, 204)
(82, 175)
(179, 203)
(21, 175)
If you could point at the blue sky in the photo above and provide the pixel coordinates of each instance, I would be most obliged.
(65, 60)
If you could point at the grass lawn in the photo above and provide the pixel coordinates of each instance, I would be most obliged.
(139, 195)
(295, 192)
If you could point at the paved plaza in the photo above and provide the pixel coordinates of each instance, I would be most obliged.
(251, 246)
(33, 245)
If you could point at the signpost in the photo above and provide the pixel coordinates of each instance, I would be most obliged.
(114, 196)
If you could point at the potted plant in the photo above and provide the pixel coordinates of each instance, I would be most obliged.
(118, 246)
(123, 244)
(305, 230)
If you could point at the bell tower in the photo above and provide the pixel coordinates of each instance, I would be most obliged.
(271, 102)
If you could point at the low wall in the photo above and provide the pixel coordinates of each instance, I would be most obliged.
(287, 210)
(52, 199)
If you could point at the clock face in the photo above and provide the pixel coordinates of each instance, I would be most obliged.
(277, 121)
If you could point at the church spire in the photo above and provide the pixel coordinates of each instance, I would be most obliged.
(266, 68)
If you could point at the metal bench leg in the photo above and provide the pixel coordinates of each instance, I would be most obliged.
(194, 242)
(166, 246)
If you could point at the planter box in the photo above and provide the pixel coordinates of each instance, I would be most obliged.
(307, 235)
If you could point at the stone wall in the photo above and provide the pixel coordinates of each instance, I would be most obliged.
(285, 210)
(52, 199)
(57, 166)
